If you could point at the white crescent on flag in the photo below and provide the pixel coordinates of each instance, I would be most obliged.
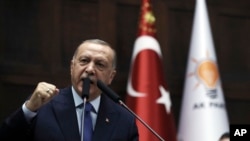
(142, 43)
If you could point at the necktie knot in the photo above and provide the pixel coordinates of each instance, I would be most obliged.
(88, 107)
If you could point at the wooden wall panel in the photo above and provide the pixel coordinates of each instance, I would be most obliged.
(19, 34)
(79, 22)
(37, 40)
(127, 23)
(12, 97)
(180, 24)
(232, 36)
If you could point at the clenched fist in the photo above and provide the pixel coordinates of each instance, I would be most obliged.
(43, 93)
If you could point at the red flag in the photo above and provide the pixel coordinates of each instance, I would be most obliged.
(147, 91)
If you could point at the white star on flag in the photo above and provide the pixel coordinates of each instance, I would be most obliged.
(164, 99)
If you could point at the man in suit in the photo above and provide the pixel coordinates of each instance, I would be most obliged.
(53, 114)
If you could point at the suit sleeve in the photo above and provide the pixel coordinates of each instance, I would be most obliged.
(134, 132)
(15, 127)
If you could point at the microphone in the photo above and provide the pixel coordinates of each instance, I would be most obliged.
(85, 97)
(85, 88)
(111, 94)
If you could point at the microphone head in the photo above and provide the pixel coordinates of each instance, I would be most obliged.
(85, 87)
(108, 91)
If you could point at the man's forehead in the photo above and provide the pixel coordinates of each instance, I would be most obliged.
(97, 49)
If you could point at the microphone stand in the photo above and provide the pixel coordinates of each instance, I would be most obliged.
(117, 99)
(82, 119)
(144, 123)
(85, 96)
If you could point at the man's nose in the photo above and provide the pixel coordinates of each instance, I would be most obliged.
(90, 68)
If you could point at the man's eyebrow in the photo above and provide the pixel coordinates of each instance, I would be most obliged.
(102, 60)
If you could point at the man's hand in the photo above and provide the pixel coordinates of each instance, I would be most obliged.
(43, 93)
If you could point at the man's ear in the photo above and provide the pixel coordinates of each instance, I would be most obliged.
(112, 75)
(71, 66)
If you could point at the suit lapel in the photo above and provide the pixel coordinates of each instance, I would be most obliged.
(64, 109)
(105, 120)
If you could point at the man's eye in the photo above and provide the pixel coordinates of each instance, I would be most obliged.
(100, 65)
(84, 61)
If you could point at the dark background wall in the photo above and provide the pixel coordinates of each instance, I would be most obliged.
(38, 37)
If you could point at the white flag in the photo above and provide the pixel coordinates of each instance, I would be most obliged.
(203, 113)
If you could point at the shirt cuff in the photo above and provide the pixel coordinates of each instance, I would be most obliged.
(29, 115)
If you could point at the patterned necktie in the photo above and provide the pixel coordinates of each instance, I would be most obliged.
(88, 127)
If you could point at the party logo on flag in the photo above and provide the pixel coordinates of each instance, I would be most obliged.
(206, 74)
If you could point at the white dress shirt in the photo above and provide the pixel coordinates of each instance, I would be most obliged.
(79, 101)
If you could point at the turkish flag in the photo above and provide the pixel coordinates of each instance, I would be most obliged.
(147, 93)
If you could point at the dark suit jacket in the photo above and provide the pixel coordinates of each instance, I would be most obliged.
(57, 121)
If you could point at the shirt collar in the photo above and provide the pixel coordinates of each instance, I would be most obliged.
(78, 100)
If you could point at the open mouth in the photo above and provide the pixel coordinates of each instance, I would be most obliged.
(88, 80)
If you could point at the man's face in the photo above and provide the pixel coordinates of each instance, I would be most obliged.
(95, 61)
